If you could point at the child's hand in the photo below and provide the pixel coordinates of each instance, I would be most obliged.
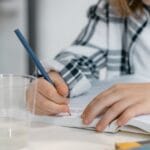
(50, 100)
(121, 102)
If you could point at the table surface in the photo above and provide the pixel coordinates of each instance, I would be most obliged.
(46, 137)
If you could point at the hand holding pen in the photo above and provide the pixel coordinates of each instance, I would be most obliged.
(51, 100)
(52, 91)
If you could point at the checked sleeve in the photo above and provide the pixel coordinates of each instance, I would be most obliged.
(80, 63)
(78, 66)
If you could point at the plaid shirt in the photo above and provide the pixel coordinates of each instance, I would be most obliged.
(107, 41)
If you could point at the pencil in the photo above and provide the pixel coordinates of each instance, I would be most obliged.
(33, 56)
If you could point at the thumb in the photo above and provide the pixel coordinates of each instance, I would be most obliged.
(60, 84)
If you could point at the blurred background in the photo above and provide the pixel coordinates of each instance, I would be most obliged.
(49, 25)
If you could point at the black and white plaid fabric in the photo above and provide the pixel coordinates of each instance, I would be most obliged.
(89, 66)
(107, 41)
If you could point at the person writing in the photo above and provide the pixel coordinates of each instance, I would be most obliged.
(116, 38)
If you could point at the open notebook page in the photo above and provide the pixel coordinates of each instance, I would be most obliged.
(141, 124)
(78, 104)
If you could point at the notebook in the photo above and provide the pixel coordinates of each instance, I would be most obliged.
(77, 105)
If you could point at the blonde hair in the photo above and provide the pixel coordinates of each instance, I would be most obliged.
(127, 7)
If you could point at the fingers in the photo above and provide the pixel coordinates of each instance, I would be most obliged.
(122, 101)
(101, 103)
(48, 100)
(49, 92)
(60, 84)
(46, 107)
(112, 113)
(133, 111)
(124, 109)
(114, 102)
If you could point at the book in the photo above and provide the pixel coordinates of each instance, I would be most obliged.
(139, 124)
(137, 145)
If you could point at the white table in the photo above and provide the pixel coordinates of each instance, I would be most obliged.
(45, 137)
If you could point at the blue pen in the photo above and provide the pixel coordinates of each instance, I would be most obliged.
(33, 56)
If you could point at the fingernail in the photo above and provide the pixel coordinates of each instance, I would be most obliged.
(66, 109)
(119, 123)
(99, 129)
(65, 95)
(86, 121)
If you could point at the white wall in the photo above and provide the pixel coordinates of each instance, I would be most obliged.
(59, 23)
(12, 56)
